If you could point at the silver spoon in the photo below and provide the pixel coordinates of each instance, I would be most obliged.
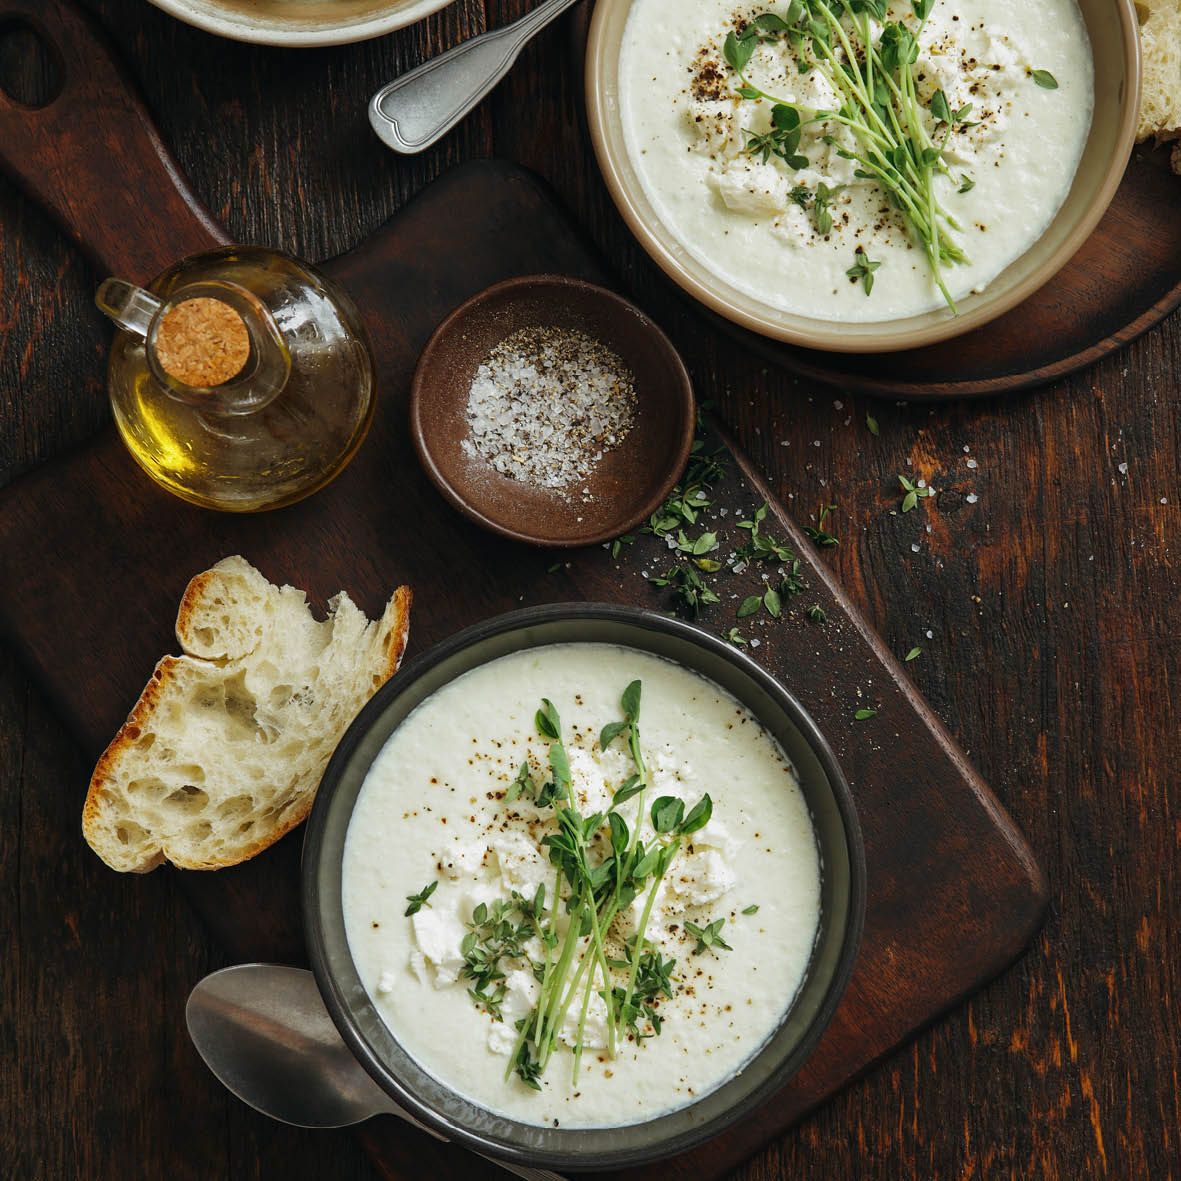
(265, 1033)
(420, 107)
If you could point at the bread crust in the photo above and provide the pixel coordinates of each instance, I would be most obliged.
(395, 622)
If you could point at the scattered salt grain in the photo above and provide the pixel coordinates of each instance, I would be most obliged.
(1123, 469)
(971, 498)
(546, 405)
(972, 463)
(914, 547)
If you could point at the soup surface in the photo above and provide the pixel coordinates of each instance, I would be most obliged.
(449, 825)
(782, 220)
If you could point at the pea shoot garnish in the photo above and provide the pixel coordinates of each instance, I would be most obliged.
(602, 866)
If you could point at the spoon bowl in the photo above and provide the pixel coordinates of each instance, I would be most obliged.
(264, 1032)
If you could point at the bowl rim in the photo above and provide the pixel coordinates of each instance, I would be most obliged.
(643, 619)
(276, 31)
(833, 336)
(678, 457)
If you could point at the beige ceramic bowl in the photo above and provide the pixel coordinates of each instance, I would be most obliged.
(300, 22)
(1115, 44)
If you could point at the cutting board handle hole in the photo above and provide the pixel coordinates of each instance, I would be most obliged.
(31, 72)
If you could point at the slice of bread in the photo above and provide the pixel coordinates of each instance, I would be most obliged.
(224, 750)
(1160, 45)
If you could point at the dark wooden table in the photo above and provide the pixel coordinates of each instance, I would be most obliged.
(1041, 585)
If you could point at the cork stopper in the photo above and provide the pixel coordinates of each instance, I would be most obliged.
(202, 342)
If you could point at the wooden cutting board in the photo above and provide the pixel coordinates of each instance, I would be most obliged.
(93, 558)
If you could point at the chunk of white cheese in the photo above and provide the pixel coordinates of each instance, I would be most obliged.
(520, 862)
(757, 190)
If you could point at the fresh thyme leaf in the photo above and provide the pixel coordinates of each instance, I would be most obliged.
(527, 1068)
(419, 900)
(913, 654)
(709, 937)
(762, 547)
(752, 909)
(817, 614)
(688, 588)
(555, 567)
(772, 602)
(1045, 79)
(863, 268)
(522, 785)
(800, 195)
(863, 715)
(817, 532)
(549, 724)
(736, 638)
(821, 214)
(872, 424)
(749, 606)
(914, 492)
(967, 184)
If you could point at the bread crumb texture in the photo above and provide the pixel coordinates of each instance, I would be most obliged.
(1160, 44)
(223, 752)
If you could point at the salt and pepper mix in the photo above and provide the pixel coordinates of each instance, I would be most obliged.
(546, 405)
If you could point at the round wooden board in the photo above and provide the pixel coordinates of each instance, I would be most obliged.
(1125, 280)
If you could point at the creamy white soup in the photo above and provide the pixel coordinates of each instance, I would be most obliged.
(485, 982)
(1002, 100)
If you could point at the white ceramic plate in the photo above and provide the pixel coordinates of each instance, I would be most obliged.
(300, 22)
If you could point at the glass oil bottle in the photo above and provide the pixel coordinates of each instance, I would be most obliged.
(241, 380)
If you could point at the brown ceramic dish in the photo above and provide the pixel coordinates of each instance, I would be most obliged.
(630, 481)
(1113, 30)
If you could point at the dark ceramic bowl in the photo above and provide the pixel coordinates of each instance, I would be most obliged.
(842, 890)
(629, 483)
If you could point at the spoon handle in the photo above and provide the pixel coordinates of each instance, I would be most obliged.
(420, 107)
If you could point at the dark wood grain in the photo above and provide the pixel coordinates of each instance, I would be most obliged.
(954, 891)
(1053, 658)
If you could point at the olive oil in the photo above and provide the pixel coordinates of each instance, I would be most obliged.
(292, 396)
